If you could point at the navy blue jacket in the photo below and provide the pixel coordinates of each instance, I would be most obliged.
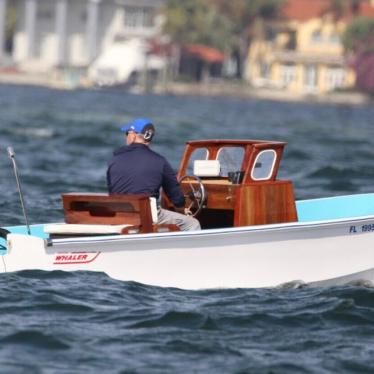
(136, 169)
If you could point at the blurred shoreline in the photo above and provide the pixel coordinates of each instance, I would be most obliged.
(234, 89)
(240, 90)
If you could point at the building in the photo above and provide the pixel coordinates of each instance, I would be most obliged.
(303, 52)
(53, 34)
(200, 62)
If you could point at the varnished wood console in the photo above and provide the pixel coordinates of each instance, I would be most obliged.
(265, 203)
(246, 204)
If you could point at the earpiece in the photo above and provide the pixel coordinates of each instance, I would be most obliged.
(148, 132)
(148, 135)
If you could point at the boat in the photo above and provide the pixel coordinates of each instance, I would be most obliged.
(254, 233)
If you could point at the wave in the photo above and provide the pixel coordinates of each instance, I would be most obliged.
(43, 133)
(35, 338)
(252, 329)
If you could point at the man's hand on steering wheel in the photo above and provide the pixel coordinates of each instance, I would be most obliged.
(195, 197)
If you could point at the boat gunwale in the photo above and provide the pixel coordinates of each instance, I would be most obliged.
(208, 232)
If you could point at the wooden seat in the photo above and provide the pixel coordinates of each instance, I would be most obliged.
(100, 208)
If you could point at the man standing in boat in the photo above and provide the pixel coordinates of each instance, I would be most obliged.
(136, 169)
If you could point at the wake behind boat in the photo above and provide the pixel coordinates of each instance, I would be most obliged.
(254, 233)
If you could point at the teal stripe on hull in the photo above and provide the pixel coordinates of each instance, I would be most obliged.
(36, 230)
(337, 207)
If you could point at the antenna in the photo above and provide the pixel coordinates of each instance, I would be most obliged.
(13, 159)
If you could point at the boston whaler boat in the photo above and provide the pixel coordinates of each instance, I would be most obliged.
(254, 233)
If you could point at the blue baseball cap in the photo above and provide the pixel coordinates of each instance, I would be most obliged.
(137, 125)
(140, 126)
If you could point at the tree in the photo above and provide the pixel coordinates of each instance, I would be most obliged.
(243, 15)
(10, 25)
(359, 35)
(222, 24)
(194, 21)
(358, 41)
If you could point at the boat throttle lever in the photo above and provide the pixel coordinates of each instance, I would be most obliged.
(13, 159)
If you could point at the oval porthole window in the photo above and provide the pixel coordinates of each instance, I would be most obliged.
(264, 165)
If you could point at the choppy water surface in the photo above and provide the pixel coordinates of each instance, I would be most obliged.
(75, 322)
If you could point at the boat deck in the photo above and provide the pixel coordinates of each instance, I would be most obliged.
(322, 209)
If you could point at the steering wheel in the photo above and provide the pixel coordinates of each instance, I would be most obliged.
(196, 196)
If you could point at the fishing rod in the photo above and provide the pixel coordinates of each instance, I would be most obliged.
(12, 157)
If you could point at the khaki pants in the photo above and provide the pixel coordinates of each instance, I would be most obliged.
(185, 223)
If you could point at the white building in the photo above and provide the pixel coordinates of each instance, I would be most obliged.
(73, 33)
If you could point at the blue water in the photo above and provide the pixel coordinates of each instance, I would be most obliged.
(59, 322)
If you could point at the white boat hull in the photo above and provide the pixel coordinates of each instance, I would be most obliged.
(321, 253)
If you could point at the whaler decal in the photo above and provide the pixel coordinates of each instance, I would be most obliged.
(75, 258)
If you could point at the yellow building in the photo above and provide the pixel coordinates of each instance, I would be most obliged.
(303, 52)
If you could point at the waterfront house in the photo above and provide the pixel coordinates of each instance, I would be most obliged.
(72, 34)
(200, 63)
(303, 52)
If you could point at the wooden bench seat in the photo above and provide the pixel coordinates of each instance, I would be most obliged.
(99, 208)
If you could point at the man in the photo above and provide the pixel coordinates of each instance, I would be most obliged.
(136, 169)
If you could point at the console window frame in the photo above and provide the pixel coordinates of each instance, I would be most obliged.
(258, 161)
